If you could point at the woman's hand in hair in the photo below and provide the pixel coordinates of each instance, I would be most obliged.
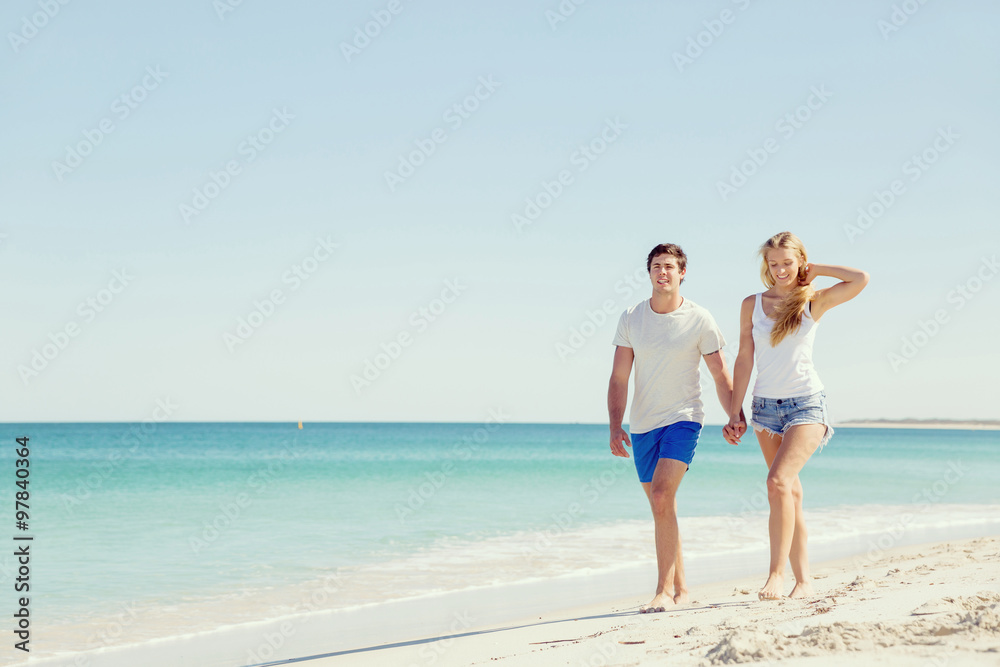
(807, 274)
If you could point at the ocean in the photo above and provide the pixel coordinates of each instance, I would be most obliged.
(146, 531)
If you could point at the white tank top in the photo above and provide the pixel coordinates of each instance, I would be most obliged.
(787, 370)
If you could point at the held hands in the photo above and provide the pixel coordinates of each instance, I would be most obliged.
(618, 435)
(734, 430)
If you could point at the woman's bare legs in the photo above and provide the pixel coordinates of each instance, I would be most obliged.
(785, 456)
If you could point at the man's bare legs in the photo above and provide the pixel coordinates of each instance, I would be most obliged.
(785, 456)
(680, 583)
(662, 494)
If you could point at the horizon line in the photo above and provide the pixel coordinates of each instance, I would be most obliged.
(903, 421)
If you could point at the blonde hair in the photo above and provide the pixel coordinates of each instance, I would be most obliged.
(788, 315)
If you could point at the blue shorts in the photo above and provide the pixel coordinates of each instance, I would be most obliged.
(776, 415)
(673, 441)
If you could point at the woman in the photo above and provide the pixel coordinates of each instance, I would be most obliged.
(789, 406)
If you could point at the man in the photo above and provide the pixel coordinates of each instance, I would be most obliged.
(667, 336)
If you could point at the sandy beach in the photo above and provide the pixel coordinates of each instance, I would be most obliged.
(931, 604)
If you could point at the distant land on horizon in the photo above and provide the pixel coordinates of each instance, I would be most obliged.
(923, 423)
(984, 422)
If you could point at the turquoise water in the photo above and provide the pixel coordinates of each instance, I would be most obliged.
(191, 513)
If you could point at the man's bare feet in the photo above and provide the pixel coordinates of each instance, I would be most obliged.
(802, 589)
(658, 603)
(682, 597)
(772, 589)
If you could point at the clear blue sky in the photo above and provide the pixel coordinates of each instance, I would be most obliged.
(200, 91)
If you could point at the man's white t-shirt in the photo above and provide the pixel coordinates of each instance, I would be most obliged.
(668, 349)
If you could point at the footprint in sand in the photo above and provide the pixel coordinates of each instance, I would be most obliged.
(861, 583)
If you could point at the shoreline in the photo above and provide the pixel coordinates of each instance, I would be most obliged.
(421, 628)
(915, 605)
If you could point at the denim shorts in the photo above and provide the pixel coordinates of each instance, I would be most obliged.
(775, 415)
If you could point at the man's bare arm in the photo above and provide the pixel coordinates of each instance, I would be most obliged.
(618, 398)
(716, 362)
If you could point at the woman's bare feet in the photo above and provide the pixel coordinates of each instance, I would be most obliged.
(658, 603)
(772, 589)
(682, 597)
(802, 589)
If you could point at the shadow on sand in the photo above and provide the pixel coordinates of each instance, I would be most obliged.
(431, 640)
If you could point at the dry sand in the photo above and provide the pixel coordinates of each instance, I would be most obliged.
(930, 605)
